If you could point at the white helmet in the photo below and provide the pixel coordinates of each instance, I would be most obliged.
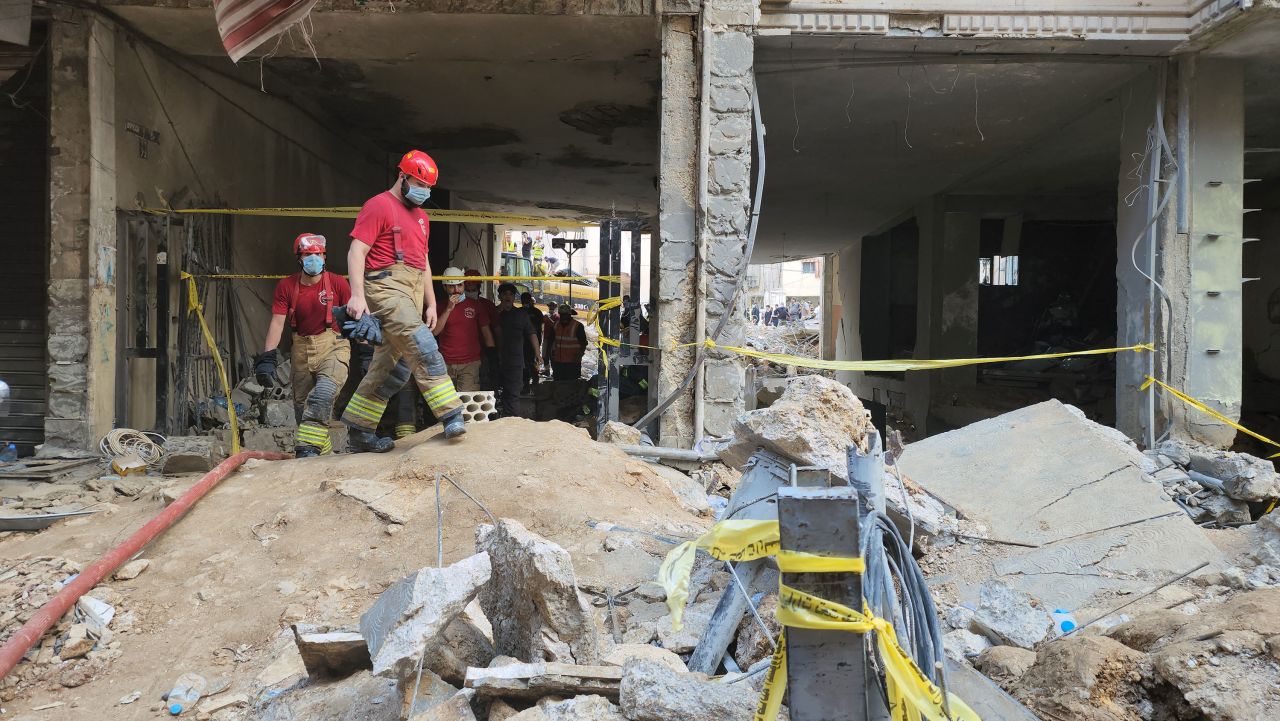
(450, 273)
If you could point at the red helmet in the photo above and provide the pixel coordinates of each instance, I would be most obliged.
(419, 166)
(308, 244)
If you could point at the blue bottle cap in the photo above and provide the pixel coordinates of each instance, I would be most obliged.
(175, 709)
(1068, 626)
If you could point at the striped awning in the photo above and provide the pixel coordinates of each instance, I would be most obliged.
(246, 24)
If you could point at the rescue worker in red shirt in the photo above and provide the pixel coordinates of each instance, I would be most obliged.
(391, 279)
(320, 356)
(568, 345)
(463, 332)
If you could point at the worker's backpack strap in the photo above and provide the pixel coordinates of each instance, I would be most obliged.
(396, 243)
(293, 301)
(327, 279)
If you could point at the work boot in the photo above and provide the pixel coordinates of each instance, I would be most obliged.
(305, 451)
(454, 425)
(362, 441)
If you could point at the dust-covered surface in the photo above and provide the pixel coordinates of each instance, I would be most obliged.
(276, 543)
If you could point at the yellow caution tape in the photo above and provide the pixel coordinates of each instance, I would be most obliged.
(193, 305)
(911, 695)
(1199, 405)
(351, 211)
(908, 364)
(732, 540)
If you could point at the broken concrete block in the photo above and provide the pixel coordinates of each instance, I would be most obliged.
(413, 613)
(130, 486)
(1176, 451)
(360, 696)
(278, 414)
(192, 454)
(331, 653)
(77, 643)
(387, 501)
(217, 703)
(536, 680)
(579, 708)
(1011, 616)
(1079, 677)
(533, 602)
(690, 493)
(132, 569)
(620, 654)
(1005, 664)
(695, 621)
(1244, 477)
(500, 710)
(463, 644)
(653, 692)
(1225, 511)
(814, 422)
(454, 708)
(431, 691)
(962, 645)
(620, 433)
(275, 440)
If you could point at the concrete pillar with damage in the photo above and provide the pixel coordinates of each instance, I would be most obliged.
(82, 230)
(704, 196)
(1198, 317)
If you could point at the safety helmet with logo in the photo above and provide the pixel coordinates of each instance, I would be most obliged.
(309, 244)
(453, 276)
(419, 166)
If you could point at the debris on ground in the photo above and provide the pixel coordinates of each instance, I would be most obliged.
(534, 599)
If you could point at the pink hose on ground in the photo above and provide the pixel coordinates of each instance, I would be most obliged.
(44, 619)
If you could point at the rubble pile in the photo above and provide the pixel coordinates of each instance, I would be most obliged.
(83, 643)
(1213, 486)
(310, 588)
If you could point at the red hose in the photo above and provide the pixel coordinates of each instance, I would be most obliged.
(44, 619)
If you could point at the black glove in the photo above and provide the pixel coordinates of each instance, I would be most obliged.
(367, 329)
(341, 318)
(264, 367)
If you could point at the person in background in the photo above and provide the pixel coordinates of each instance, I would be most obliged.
(539, 258)
(779, 315)
(568, 346)
(515, 339)
(463, 332)
(549, 333)
(755, 314)
(537, 320)
(319, 357)
(768, 315)
(526, 246)
(489, 358)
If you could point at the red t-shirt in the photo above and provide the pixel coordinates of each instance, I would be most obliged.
(308, 302)
(460, 340)
(379, 215)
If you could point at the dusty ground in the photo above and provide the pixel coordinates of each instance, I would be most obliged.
(268, 546)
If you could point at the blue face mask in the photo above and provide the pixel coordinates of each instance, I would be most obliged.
(416, 194)
(312, 264)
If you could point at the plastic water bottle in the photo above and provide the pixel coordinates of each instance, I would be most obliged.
(1063, 621)
(9, 454)
(186, 691)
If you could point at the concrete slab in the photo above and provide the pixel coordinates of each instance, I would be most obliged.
(1044, 475)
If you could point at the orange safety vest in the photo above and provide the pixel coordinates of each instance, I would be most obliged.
(567, 348)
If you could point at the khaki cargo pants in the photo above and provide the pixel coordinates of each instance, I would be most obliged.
(319, 363)
(395, 296)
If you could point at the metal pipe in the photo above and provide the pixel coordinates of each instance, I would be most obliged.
(1210, 481)
(669, 454)
(1186, 66)
(45, 618)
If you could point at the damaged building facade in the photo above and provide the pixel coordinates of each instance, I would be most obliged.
(983, 181)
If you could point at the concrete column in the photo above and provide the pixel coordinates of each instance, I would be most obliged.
(1198, 260)
(1212, 366)
(674, 256)
(730, 52)
(1132, 211)
(82, 231)
(703, 207)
